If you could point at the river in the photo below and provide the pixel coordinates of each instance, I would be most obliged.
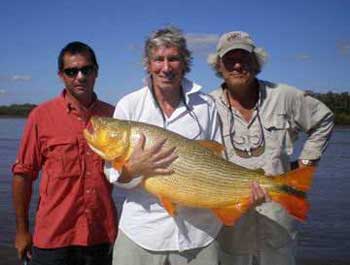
(326, 234)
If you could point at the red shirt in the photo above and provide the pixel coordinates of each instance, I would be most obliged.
(75, 205)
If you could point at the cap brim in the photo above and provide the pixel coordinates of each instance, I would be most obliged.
(237, 46)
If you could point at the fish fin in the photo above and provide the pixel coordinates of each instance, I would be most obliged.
(213, 146)
(299, 179)
(296, 206)
(118, 165)
(168, 205)
(229, 215)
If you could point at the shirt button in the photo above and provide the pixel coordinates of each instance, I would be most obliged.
(88, 173)
(88, 153)
(87, 210)
(87, 191)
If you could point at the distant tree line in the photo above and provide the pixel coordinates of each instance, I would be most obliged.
(339, 103)
(16, 110)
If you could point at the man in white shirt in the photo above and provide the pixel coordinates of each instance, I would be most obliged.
(147, 233)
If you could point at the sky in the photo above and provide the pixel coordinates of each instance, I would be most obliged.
(308, 41)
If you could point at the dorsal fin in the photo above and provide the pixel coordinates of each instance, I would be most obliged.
(213, 146)
(259, 171)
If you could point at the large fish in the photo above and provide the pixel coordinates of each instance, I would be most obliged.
(201, 177)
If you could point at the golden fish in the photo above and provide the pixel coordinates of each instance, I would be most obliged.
(201, 177)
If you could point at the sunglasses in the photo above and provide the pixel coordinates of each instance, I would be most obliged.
(249, 146)
(73, 72)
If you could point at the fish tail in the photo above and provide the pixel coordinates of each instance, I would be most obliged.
(291, 191)
(296, 206)
(299, 179)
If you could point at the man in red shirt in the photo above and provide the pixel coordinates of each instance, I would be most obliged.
(76, 218)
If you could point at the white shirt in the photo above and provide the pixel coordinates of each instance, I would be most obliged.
(143, 218)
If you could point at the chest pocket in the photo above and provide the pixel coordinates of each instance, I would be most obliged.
(63, 157)
(276, 122)
(278, 133)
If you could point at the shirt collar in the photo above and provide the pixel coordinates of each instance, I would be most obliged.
(188, 87)
(72, 104)
(262, 94)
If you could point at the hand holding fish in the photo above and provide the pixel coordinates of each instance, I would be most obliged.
(259, 194)
(154, 160)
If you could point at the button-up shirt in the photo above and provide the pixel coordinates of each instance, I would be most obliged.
(280, 114)
(143, 218)
(75, 205)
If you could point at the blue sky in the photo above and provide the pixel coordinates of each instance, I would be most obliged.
(308, 41)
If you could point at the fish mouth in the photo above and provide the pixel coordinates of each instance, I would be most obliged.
(95, 135)
(100, 153)
(89, 132)
(90, 136)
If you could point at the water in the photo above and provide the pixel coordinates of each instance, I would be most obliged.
(326, 233)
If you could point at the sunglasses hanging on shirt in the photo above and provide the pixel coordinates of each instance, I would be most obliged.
(246, 146)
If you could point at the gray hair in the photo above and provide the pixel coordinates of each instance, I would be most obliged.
(260, 56)
(169, 37)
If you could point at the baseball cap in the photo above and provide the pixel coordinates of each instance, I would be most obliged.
(234, 40)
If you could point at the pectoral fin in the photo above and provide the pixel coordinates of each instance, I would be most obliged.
(229, 215)
(168, 205)
(213, 146)
(118, 164)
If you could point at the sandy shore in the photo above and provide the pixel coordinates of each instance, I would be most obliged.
(8, 256)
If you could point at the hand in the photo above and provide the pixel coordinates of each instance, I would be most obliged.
(23, 244)
(259, 194)
(149, 162)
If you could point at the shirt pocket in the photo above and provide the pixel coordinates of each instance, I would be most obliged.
(276, 122)
(63, 157)
(278, 143)
(276, 129)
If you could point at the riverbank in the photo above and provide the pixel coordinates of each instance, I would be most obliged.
(8, 256)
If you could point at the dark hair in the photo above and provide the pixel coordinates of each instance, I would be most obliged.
(76, 47)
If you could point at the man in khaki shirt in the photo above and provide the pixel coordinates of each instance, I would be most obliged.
(260, 122)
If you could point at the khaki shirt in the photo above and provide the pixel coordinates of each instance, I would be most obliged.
(280, 114)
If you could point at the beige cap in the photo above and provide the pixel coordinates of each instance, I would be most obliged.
(234, 40)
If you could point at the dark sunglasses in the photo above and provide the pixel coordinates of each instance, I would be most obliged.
(73, 72)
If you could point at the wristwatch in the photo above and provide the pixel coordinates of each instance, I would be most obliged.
(308, 162)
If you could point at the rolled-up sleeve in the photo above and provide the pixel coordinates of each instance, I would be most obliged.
(317, 120)
(29, 159)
